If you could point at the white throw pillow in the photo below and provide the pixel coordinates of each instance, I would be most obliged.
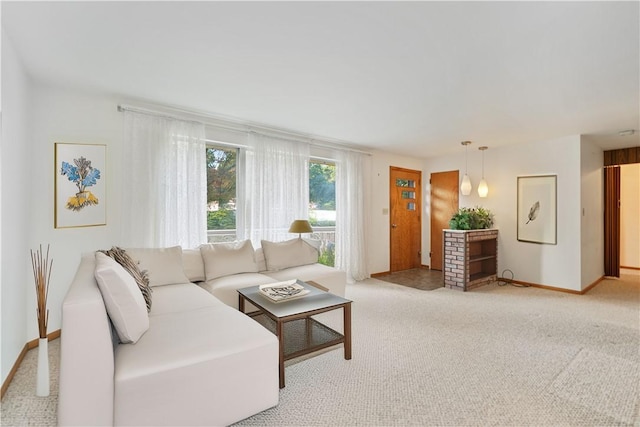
(164, 265)
(262, 263)
(290, 253)
(193, 265)
(122, 298)
(224, 259)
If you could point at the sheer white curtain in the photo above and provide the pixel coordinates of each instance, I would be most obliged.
(164, 193)
(273, 188)
(352, 189)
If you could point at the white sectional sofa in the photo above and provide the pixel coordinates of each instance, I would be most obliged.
(199, 361)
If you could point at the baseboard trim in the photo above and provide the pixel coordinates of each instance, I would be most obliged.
(630, 268)
(50, 337)
(13, 371)
(591, 286)
(554, 288)
(28, 346)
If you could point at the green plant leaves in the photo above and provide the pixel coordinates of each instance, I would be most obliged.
(471, 219)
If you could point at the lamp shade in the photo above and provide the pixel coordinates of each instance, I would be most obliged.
(300, 226)
(465, 186)
(483, 188)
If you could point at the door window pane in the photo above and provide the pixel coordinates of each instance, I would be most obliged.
(405, 183)
(408, 194)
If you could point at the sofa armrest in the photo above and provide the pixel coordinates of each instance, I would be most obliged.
(86, 354)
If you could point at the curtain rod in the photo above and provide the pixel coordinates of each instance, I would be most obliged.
(122, 109)
(213, 121)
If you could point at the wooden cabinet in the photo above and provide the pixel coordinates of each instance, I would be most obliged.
(470, 258)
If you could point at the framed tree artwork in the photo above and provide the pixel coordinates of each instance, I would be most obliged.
(537, 209)
(80, 196)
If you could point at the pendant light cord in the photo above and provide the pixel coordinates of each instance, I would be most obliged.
(466, 159)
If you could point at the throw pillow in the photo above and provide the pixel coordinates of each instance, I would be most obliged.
(122, 299)
(224, 259)
(164, 265)
(290, 253)
(141, 277)
(193, 265)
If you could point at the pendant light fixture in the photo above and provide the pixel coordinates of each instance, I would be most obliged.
(465, 186)
(483, 188)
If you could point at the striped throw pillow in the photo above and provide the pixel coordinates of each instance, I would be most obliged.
(141, 277)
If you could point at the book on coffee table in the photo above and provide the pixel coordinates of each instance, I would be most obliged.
(283, 291)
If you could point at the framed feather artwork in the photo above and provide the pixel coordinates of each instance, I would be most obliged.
(537, 209)
(79, 185)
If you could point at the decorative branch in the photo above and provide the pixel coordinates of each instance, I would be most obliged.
(42, 276)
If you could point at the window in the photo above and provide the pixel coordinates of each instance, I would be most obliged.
(322, 207)
(221, 194)
(221, 200)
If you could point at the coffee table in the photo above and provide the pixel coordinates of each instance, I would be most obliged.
(298, 333)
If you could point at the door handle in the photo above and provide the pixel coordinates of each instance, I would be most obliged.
(394, 225)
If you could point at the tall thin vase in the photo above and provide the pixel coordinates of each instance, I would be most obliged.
(42, 387)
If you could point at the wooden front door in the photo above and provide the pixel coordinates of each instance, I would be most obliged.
(444, 203)
(405, 192)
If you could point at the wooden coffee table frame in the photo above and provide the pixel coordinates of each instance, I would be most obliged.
(277, 325)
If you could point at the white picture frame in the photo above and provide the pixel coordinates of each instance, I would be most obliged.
(537, 209)
(80, 190)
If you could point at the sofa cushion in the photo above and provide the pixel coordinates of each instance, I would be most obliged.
(226, 288)
(259, 256)
(193, 265)
(164, 265)
(122, 298)
(193, 367)
(224, 259)
(179, 298)
(290, 253)
(141, 277)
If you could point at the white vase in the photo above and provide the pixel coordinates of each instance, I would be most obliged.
(42, 385)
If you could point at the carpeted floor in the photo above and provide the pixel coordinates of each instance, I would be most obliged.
(20, 405)
(497, 355)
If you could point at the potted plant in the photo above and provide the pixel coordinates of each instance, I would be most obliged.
(477, 218)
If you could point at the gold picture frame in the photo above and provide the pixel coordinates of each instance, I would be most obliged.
(80, 189)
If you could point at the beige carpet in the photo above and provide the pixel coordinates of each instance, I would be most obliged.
(495, 356)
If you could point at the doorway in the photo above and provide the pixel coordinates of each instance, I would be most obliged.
(405, 194)
(613, 160)
(444, 203)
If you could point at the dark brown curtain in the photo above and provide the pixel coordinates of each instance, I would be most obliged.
(612, 221)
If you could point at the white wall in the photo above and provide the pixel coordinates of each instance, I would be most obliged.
(630, 215)
(379, 237)
(592, 213)
(64, 115)
(16, 171)
(551, 265)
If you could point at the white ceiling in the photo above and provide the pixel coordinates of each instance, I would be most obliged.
(414, 78)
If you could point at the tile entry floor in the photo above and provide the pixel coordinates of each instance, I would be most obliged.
(419, 278)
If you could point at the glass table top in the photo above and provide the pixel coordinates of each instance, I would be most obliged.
(316, 299)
